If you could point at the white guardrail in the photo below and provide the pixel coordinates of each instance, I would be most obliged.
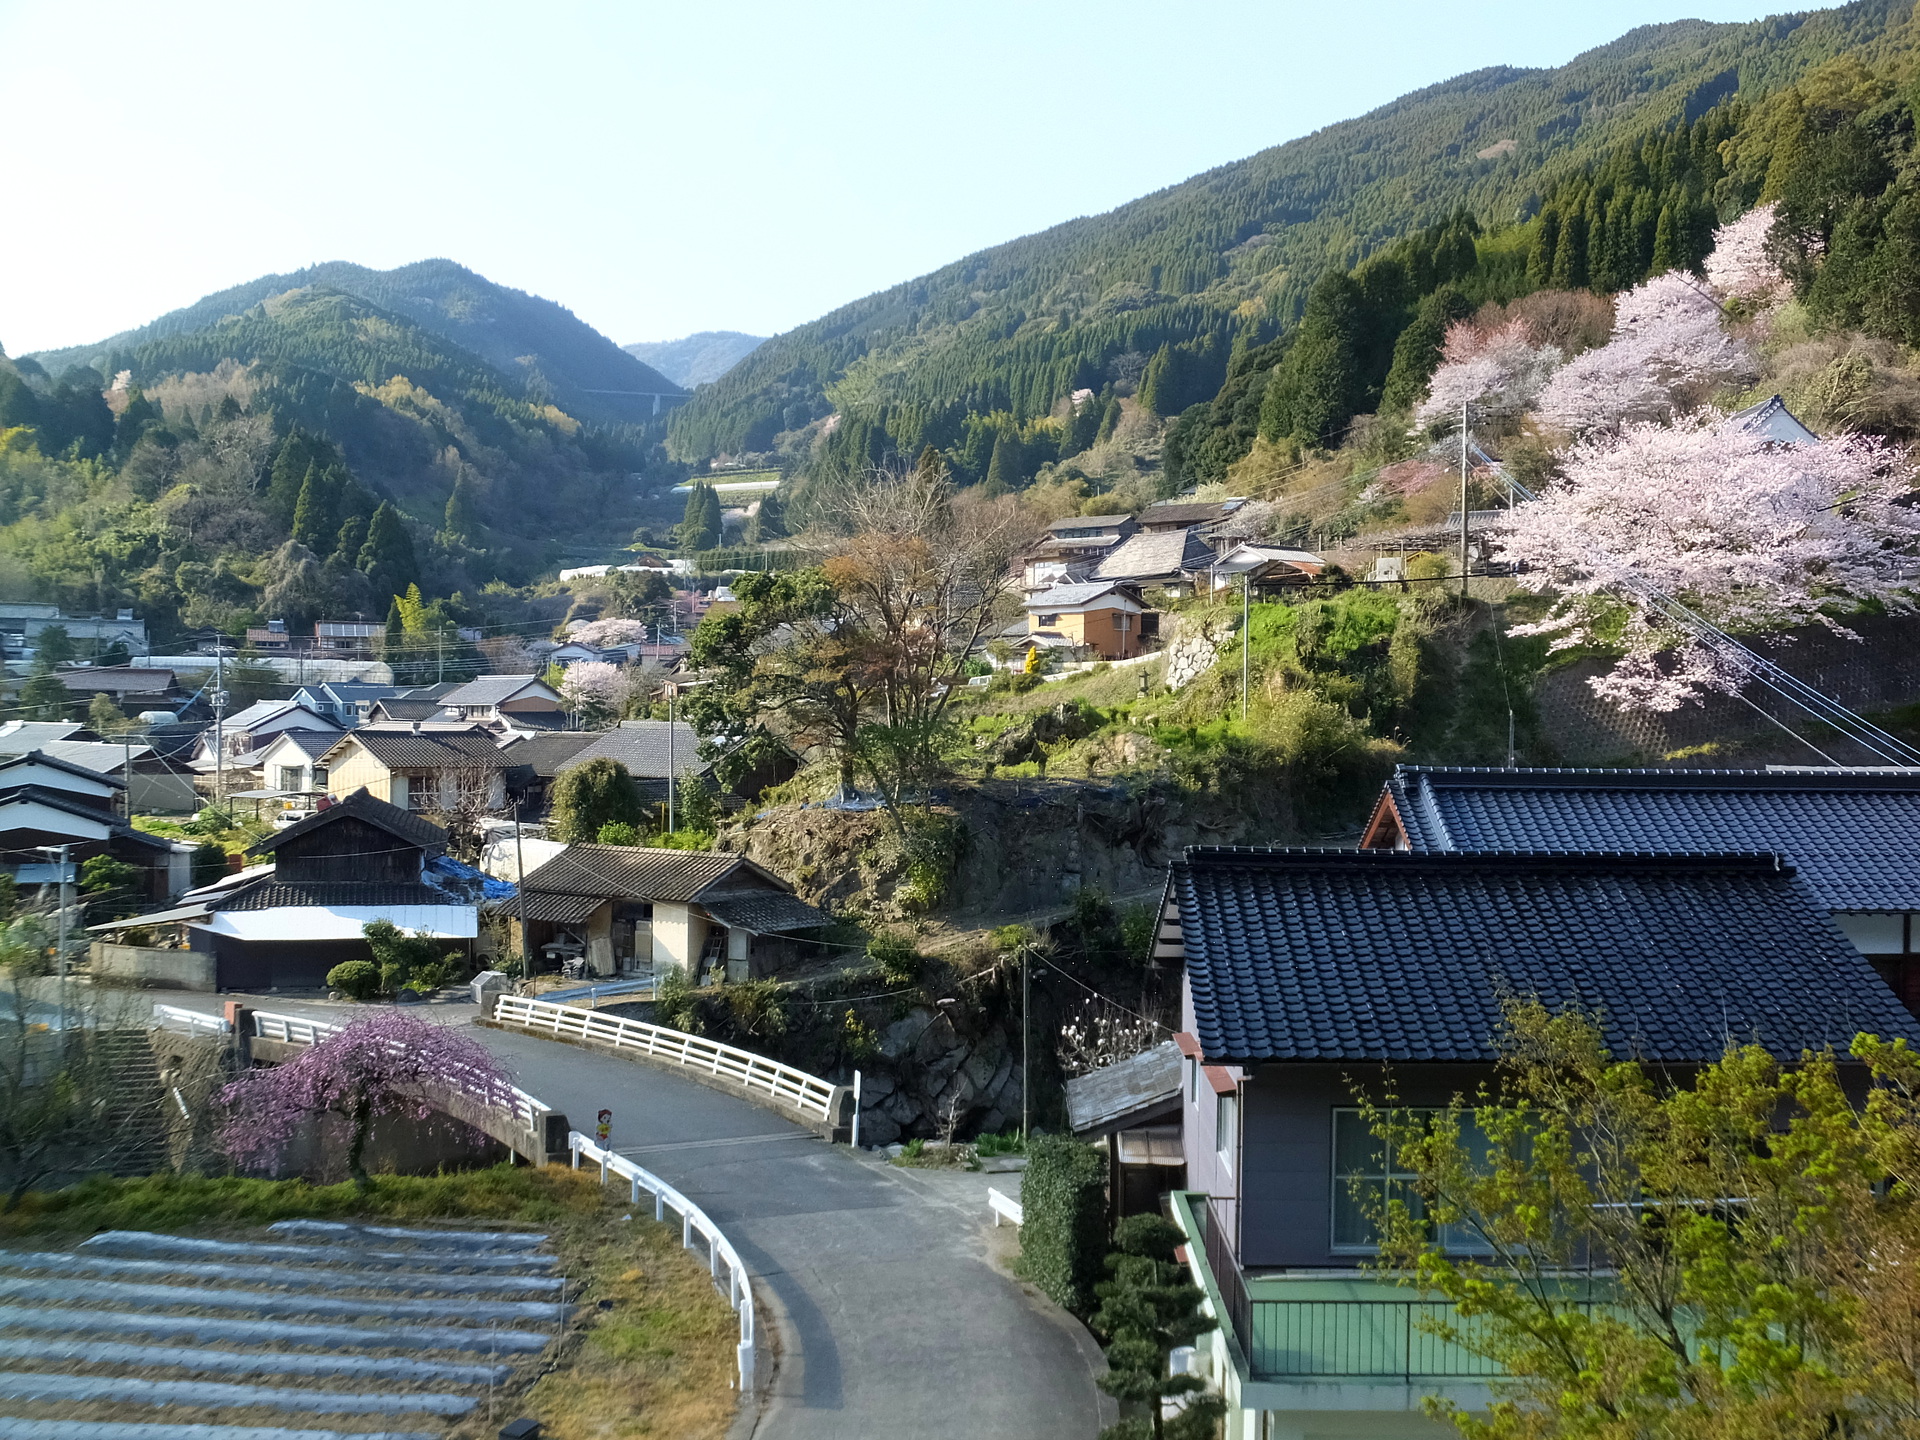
(1005, 1205)
(808, 1094)
(175, 1017)
(738, 1288)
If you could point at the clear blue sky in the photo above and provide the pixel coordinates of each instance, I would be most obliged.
(661, 168)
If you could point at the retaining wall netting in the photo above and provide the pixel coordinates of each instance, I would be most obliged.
(1878, 672)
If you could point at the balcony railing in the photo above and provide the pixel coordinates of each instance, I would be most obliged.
(1277, 1337)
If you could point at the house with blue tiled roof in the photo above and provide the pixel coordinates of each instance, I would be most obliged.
(1311, 977)
(1853, 835)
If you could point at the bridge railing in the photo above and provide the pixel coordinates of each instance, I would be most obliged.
(175, 1017)
(806, 1094)
(735, 1284)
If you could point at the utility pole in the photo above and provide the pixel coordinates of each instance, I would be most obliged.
(673, 694)
(1246, 635)
(219, 721)
(1026, 1036)
(1463, 498)
(66, 899)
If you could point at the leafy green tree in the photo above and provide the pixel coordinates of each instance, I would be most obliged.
(1315, 391)
(700, 521)
(103, 716)
(1110, 416)
(591, 796)
(1416, 354)
(53, 647)
(1758, 1224)
(1148, 1307)
(110, 888)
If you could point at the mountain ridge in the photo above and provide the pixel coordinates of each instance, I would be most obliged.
(699, 358)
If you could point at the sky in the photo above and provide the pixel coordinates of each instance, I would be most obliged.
(661, 168)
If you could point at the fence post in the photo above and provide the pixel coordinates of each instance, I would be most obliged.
(856, 1110)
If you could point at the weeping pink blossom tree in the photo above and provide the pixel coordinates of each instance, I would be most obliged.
(1751, 535)
(1498, 369)
(392, 1063)
(1669, 352)
(1741, 269)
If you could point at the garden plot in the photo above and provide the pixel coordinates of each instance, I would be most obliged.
(326, 1330)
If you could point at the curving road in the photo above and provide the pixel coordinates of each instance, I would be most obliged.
(891, 1317)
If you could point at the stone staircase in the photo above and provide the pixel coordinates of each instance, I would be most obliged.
(323, 1332)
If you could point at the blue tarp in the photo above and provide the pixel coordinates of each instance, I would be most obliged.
(444, 867)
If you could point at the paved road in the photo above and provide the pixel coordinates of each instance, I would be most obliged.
(892, 1319)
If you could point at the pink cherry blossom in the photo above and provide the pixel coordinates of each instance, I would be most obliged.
(1669, 352)
(1752, 536)
(605, 634)
(1740, 267)
(391, 1063)
(596, 685)
(1500, 369)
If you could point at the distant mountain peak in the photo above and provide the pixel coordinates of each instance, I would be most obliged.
(699, 358)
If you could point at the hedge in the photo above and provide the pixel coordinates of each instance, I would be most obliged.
(1063, 1233)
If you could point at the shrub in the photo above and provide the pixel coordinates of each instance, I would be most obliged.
(209, 862)
(355, 979)
(589, 796)
(1063, 1236)
(900, 963)
(617, 832)
(405, 961)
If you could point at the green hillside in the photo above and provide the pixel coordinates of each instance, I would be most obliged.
(542, 351)
(1227, 259)
(697, 359)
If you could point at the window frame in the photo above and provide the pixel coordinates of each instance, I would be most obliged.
(1340, 1185)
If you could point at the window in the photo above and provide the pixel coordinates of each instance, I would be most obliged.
(1122, 621)
(1048, 621)
(1226, 1109)
(292, 777)
(1367, 1176)
(1193, 1081)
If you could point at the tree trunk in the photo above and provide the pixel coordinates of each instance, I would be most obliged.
(362, 1122)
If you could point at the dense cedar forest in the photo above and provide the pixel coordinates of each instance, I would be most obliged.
(320, 440)
(1227, 261)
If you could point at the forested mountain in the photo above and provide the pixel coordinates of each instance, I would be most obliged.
(697, 359)
(543, 352)
(1226, 261)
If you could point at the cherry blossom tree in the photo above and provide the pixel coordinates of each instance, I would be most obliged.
(610, 632)
(392, 1063)
(1750, 535)
(1741, 267)
(597, 688)
(1669, 352)
(1498, 369)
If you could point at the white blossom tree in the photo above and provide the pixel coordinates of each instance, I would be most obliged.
(1750, 535)
(1740, 268)
(1498, 369)
(607, 633)
(596, 689)
(1669, 352)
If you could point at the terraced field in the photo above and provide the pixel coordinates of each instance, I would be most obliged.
(327, 1330)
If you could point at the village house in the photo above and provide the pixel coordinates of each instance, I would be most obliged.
(440, 771)
(357, 861)
(293, 763)
(524, 702)
(1171, 560)
(1212, 518)
(1106, 619)
(155, 786)
(1313, 978)
(1828, 822)
(247, 730)
(629, 909)
(133, 688)
(534, 762)
(347, 639)
(21, 622)
(653, 749)
(347, 702)
(45, 803)
(1071, 547)
(1268, 571)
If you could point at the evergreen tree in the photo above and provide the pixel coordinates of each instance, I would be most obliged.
(1570, 259)
(1314, 392)
(310, 513)
(770, 522)
(386, 557)
(348, 540)
(460, 522)
(1416, 354)
(1540, 255)
(1003, 471)
(140, 413)
(284, 482)
(18, 404)
(700, 522)
(1083, 426)
(1110, 415)
(1668, 252)
(1146, 1309)
(1158, 383)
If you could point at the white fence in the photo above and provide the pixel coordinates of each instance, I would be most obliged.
(173, 1017)
(807, 1094)
(1007, 1206)
(693, 1221)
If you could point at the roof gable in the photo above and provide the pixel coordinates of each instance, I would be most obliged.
(403, 825)
(498, 689)
(38, 767)
(409, 749)
(1155, 554)
(1398, 956)
(645, 873)
(1850, 833)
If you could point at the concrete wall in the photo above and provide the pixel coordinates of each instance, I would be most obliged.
(163, 795)
(151, 968)
(679, 936)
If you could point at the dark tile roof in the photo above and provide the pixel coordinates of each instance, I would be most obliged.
(271, 894)
(545, 754)
(1852, 834)
(398, 708)
(41, 757)
(493, 689)
(635, 872)
(403, 825)
(641, 746)
(311, 743)
(1388, 955)
(430, 749)
(1174, 512)
(556, 909)
(764, 912)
